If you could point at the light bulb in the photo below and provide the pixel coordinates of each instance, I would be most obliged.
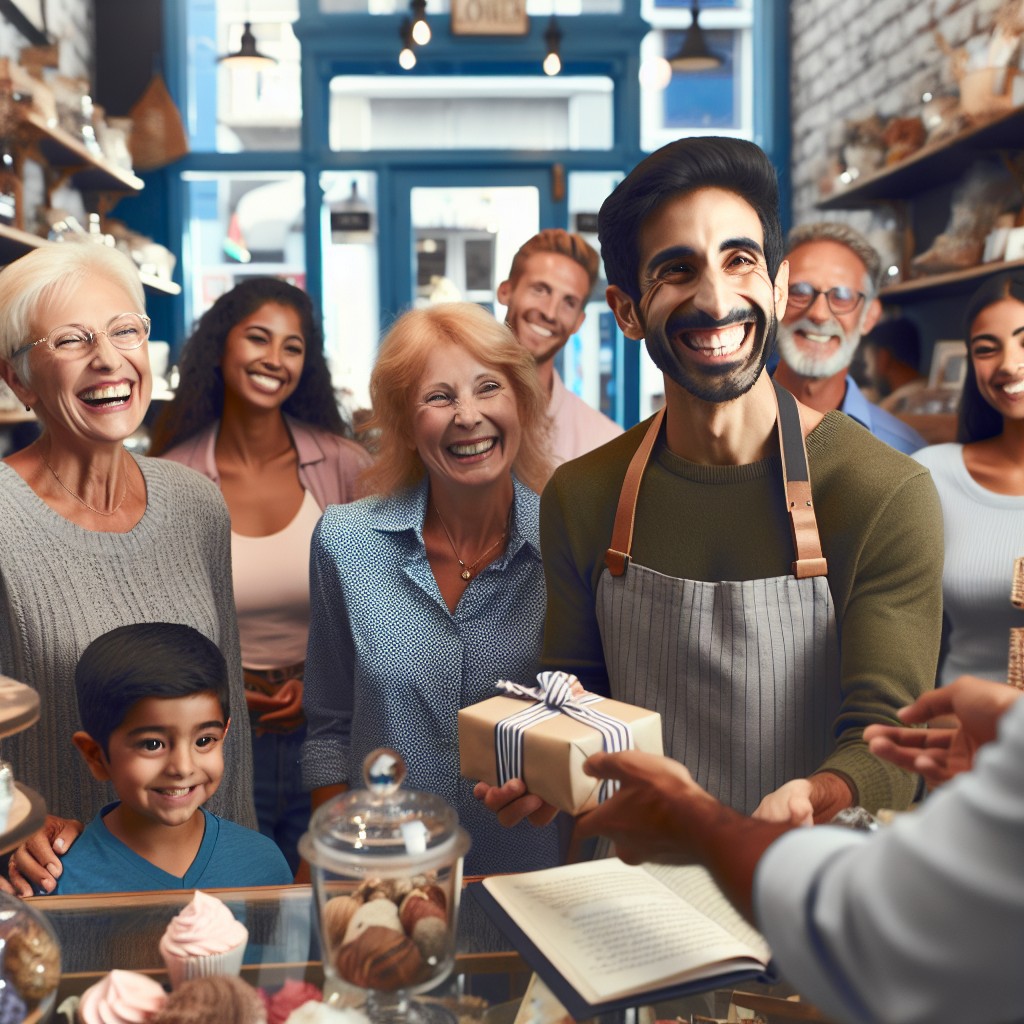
(421, 33)
(655, 73)
(552, 64)
(407, 59)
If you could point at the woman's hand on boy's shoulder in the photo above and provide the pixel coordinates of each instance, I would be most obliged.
(35, 865)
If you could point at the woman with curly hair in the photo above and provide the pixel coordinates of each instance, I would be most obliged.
(427, 593)
(255, 412)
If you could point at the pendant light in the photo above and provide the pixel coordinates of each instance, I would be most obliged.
(407, 55)
(694, 54)
(553, 41)
(247, 55)
(420, 28)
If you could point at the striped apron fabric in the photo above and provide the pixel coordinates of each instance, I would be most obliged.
(745, 674)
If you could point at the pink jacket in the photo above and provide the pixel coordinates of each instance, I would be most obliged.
(329, 466)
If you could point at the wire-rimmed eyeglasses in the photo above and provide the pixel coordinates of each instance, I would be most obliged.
(126, 331)
(841, 300)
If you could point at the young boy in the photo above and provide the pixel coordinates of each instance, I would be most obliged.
(153, 701)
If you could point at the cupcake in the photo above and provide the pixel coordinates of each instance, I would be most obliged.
(212, 1000)
(203, 939)
(121, 997)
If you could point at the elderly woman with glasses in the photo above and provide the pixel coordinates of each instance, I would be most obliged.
(90, 536)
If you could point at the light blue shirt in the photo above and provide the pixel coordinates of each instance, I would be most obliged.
(389, 665)
(920, 922)
(882, 424)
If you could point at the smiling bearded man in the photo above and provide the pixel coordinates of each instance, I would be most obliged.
(833, 288)
(690, 568)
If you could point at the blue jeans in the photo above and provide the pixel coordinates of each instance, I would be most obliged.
(282, 805)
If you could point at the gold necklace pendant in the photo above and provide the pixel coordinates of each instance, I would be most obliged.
(467, 570)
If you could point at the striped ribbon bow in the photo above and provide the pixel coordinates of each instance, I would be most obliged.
(555, 697)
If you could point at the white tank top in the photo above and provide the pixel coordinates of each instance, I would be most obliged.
(271, 584)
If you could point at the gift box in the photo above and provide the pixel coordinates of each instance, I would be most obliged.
(553, 748)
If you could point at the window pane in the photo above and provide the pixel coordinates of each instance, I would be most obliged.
(534, 8)
(234, 107)
(350, 284)
(240, 225)
(703, 99)
(462, 112)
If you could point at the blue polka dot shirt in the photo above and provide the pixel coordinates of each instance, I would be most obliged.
(389, 665)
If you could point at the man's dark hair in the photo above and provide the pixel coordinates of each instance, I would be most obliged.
(680, 167)
(145, 659)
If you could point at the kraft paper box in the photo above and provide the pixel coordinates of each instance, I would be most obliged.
(553, 750)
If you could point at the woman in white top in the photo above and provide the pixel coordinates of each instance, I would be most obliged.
(980, 481)
(255, 412)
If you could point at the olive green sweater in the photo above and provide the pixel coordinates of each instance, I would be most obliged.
(881, 532)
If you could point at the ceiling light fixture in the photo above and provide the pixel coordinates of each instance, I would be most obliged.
(553, 41)
(248, 55)
(407, 56)
(420, 28)
(694, 54)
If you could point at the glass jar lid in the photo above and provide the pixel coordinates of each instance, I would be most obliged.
(384, 828)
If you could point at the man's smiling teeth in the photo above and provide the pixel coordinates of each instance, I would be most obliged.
(271, 383)
(818, 339)
(721, 342)
(107, 393)
(474, 448)
(542, 331)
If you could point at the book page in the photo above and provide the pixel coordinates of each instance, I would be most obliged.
(700, 890)
(613, 930)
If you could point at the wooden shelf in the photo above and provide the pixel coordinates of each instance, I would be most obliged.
(85, 170)
(15, 242)
(933, 165)
(954, 282)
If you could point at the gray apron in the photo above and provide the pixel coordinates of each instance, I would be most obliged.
(745, 674)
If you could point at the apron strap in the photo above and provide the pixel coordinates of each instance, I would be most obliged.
(795, 474)
(617, 556)
(797, 480)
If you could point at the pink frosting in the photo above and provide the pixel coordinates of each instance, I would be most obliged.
(121, 997)
(204, 927)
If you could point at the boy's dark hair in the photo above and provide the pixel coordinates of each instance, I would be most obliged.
(145, 659)
(677, 169)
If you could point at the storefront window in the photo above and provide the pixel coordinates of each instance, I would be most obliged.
(241, 225)
(234, 107)
(717, 102)
(374, 112)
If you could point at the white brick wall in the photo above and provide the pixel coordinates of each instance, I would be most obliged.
(71, 23)
(861, 57)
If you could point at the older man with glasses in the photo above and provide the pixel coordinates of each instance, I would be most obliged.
(834, 275)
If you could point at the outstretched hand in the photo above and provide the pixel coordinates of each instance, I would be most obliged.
(940, 752)
(36, 863)
(650, 818)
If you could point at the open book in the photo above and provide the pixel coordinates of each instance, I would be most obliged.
(604, 935)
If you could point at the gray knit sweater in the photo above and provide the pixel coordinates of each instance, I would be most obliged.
(61, 586)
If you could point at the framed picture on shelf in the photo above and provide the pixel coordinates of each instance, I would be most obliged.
(949, 365)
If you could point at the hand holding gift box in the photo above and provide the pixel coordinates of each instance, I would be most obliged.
(544, 734)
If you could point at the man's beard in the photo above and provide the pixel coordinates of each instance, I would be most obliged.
(715, 384)
(809, 364)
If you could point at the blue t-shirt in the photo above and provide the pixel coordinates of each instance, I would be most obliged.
(229, 856)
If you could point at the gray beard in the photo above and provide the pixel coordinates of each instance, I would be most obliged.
(809, 365)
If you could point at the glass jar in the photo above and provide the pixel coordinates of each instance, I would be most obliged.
(387, 873)
(29, 962)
